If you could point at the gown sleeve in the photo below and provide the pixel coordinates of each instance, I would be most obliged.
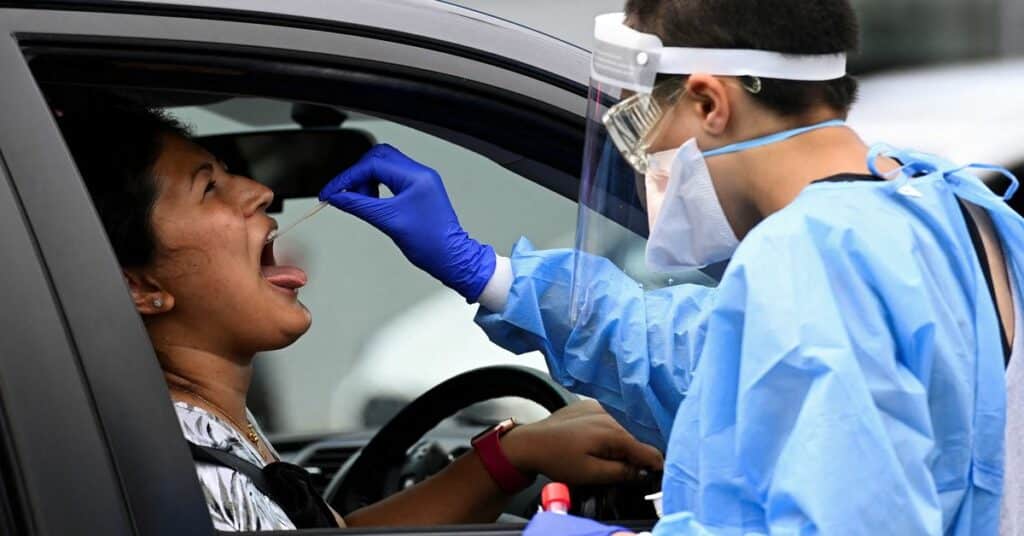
(633, 351)
(805, 417)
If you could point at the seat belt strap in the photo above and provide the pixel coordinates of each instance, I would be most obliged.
(225, 459)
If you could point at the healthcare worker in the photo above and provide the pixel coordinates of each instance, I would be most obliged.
(846, 376)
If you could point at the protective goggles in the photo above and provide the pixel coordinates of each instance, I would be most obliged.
(628, 109)
(628, 61)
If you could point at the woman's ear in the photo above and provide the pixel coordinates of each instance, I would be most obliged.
(148, 295)
(711, 101)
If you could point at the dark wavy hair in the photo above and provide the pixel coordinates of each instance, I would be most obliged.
(115, 144)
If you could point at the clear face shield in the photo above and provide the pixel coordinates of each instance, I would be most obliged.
(625, 111)
(628, 109)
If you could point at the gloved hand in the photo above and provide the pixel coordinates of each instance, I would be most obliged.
(419, 218)
(551, 524)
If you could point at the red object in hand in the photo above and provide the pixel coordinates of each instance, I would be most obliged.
(555, 498)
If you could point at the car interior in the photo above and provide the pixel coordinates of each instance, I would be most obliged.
(292, 125)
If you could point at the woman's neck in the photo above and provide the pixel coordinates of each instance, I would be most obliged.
(208, 379)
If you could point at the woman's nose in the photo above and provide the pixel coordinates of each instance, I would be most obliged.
(257, 197)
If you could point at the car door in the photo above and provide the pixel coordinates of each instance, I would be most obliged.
(96, 446)
(120, 402)
(55, 469)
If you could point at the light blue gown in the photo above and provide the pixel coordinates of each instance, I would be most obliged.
(846, 377)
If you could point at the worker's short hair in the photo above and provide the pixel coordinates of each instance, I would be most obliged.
(787, 26)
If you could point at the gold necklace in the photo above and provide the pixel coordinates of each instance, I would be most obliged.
(250, 429)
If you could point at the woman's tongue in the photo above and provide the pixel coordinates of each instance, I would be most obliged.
(288, 277)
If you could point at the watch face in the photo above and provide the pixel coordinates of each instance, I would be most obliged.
(500, 429)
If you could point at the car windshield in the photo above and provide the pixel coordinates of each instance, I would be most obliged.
(383, 332)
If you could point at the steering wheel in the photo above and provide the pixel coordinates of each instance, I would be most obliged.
(361, 481)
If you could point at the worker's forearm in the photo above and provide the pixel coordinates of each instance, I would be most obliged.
(463, 493)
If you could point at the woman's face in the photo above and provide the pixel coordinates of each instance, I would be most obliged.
(225, 290)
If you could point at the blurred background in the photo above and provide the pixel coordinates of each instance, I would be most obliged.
(939, 75)
(895, 33)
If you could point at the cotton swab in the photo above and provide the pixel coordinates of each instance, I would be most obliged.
(274, 235)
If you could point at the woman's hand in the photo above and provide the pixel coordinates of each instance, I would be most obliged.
(580, 444)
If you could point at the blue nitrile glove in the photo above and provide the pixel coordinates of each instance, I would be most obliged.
(551, 524)
(419, 218)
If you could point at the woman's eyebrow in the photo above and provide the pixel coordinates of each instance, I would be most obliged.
(205, 166)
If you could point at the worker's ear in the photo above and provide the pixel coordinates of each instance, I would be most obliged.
(147, 294)
(709, 97)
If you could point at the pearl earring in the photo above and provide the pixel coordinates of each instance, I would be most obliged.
(158, 303)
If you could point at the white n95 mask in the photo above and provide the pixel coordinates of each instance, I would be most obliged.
(688, 226)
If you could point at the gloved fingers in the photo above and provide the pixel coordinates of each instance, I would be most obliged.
(399, 172)
(358, 178)
(399, 163)
(362, 177)
(370, 189)
(382, 164)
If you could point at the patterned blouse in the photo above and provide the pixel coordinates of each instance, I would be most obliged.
(233, 500)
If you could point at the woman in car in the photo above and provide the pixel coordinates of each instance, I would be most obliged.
(191, 240)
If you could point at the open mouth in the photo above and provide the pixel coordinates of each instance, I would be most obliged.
(290, 278)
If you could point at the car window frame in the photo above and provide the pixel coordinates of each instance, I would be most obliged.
(557, 169)
(126, 399)
(377, 20)
(57, 461)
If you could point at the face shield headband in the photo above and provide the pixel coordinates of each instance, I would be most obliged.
(628, 60)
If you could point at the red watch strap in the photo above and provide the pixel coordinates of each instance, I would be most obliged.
(488, 448)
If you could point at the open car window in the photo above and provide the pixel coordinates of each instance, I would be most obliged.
(383, 332)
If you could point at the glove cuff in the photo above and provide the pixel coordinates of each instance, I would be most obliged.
(482, 266)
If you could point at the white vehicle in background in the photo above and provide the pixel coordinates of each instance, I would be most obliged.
(384, 379)
(967, 113)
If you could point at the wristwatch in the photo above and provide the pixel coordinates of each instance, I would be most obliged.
(487, 445)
